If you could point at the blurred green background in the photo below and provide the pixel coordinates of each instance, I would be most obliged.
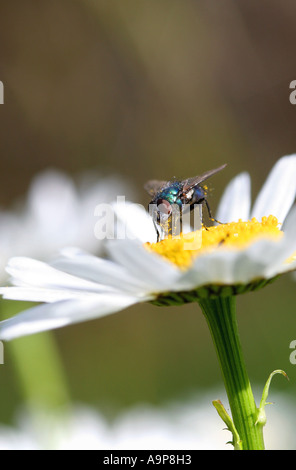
(150, 89)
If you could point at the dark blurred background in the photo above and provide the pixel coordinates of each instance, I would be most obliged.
(151, 89)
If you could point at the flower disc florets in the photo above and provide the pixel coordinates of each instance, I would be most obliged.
(183, 251)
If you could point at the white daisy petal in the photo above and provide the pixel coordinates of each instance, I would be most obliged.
(28, 271)
(288, 245)
(101, 271)
(236, 200)
(256, 261)
(133, 222)
(58, 314)
(39, 294)
(214, 268)
(289, 226)
(235, 266)
(157, 273)
(278, 193)
(262, 259)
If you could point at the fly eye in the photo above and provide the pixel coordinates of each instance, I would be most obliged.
(164, 206)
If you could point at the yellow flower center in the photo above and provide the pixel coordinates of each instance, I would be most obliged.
(184, 249)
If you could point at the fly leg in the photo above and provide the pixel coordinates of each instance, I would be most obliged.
(210, 213)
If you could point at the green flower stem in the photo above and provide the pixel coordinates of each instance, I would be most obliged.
(39, 372)
(220, 313)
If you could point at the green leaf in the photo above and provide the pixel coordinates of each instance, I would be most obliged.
(261, 415)
(236, 442)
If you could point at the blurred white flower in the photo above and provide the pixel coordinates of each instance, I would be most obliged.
(56, 213)
(191, 425)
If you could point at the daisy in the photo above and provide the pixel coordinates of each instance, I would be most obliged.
(247, 251)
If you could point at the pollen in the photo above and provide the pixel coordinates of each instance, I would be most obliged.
(184, 249)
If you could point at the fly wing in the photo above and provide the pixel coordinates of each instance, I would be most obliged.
(153, 186)
(191, 182)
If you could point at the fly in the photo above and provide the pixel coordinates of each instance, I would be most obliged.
(169, 194)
